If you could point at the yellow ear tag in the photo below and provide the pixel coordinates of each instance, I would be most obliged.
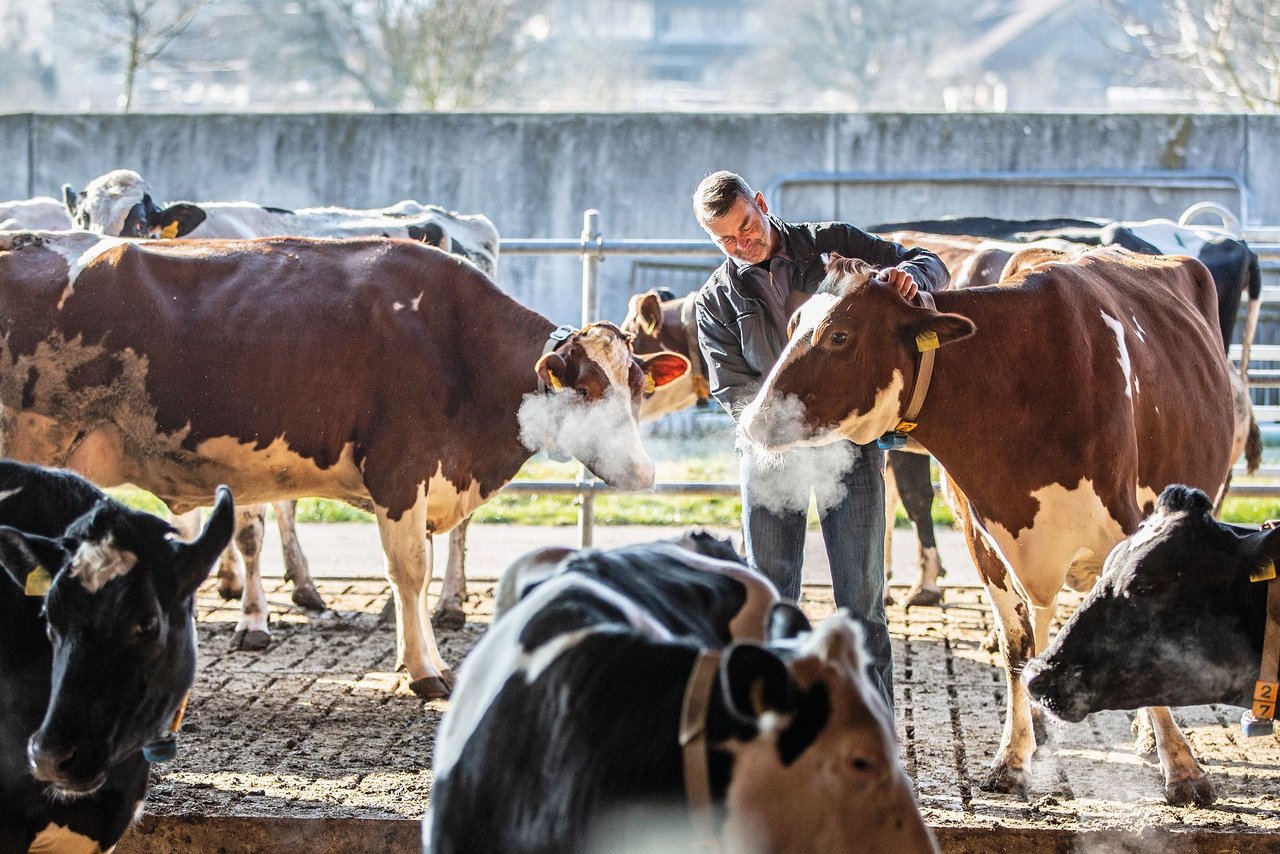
(170, 231)
(38, 582)
(927, 341)
(556, 385)
(1264, 573)
(649, 385)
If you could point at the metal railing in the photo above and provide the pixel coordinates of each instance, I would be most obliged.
(592, 248)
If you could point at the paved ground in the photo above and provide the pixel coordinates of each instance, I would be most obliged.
(315, 745)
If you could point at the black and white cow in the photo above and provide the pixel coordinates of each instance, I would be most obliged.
(95, 671)
(568, 717)
(41, 213)
(1175, 620)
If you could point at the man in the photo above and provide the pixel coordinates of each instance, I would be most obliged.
(742, 311)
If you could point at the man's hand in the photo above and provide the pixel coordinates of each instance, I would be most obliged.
(900, 279)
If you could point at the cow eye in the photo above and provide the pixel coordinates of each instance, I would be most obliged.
(839, 338)
(146, 628)
(1142, 588)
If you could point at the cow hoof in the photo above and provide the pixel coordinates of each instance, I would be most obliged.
(452, 617)
(1193, 790)
(449, 679)
(925, 597)
(888, 598)
(431, 688)
(308, 599)
(254, 640)
(1007, 779)
(227, 592)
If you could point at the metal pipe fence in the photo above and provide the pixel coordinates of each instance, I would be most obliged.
(592, 247)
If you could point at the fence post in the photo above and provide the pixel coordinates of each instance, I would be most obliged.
(591, 238)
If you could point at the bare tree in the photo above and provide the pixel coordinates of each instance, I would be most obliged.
(136, 32)
(861, 54)
(1227, 50)
(432, 54)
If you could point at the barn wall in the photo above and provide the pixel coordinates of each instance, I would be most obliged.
(535, 174)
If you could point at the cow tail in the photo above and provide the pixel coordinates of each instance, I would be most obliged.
(1253, 445)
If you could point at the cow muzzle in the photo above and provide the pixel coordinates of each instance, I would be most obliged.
(68, 769)
(1059, 689)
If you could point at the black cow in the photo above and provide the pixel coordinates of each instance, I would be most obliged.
(568, 715)
(1174, 621)
(93, 673)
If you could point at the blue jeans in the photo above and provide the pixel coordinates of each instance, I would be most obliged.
(775, 504)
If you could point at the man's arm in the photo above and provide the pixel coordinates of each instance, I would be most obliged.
(925, 268)
(733, 383)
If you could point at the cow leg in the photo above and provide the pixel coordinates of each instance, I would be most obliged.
(449, 613)
(1041, 619)
(296, 568)
(890, 514)
(1184, 780)
(407, 547)
(252, 632)
(1017, 645)
(916, 488)
(230, 565)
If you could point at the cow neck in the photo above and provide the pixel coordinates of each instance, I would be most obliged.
(927, 347)
(1258, 720)
(693, 748)
(525, 339)
(697, 372)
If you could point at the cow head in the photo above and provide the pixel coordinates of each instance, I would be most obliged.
(120, 617)
(596, 384)
(821, 772)
(848, 368)
(118, 204)
(1174, 620)
(647, 324)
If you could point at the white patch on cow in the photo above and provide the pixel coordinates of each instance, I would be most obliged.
(609, 352)
(812, 313)
(80, 249)
(1126, 367)
(1169, 237)
(1153, 527)
(9, 493)
(863, 428)
(260, 474)
(1072, 532)
(446, 504)
(1141, 333)
(417, 301)
(499, 655)
(109, 198)
(58, 839)
(96, 563)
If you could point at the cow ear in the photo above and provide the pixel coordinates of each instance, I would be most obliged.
(663, 367)
(71, 199)
(22, 554)
(1262, 554)
(755, 681)
(196, 558)
(649, 310)
(177, 220)
(553, 371)
(785, 621)
(943, 328)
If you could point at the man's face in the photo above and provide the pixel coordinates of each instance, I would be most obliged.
(743, 232)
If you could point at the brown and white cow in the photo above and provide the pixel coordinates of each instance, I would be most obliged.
(119, 204)
(378, 372)
(1060, 405)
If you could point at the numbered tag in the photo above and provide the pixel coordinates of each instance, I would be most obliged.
(38, 582)
(1264, 700)
(927, 341)
(1264, 573)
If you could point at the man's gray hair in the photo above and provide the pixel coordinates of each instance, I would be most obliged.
(717, 193)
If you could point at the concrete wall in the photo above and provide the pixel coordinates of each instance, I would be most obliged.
(534, 175)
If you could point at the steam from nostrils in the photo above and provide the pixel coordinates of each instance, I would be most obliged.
(602, 435)
(782, 480)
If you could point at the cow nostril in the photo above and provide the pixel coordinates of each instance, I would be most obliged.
(50, 764)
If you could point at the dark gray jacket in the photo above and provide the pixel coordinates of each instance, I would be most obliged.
(738, 339)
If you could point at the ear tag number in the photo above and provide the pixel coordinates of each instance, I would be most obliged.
(1264, 573)
(1264, 700)
(38, 582)
(927, 341)
(170, 231)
